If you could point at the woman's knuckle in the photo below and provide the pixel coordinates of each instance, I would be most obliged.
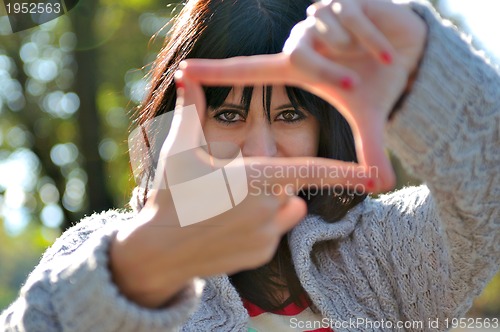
(320, 6)
(299, 28)
(311, 10)
(268, 206)
(347, 15)
(322, 11)
(342, 40)
(294, 56)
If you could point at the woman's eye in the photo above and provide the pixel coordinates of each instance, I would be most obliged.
(228, 117)
(290, 116)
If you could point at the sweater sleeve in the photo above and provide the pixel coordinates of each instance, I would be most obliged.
(447, 133)
(71, 289)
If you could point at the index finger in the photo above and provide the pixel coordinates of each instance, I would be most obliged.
(269, 68)
(302, 173)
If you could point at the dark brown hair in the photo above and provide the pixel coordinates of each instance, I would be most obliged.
(227, 28)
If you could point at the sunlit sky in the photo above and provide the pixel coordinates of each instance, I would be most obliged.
(481, 20)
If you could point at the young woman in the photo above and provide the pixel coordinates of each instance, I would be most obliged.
(411, 260)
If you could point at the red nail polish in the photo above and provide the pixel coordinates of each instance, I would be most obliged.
(179, 84)
(346, 83)
(386, 57)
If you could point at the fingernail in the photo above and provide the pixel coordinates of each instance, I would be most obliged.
(386, 57)
(182, 65)
(179, 84)
(370, 184)
(347, 83)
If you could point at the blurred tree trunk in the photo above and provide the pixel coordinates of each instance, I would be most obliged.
(89, 124)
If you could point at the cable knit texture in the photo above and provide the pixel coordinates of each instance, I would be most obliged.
(417, 254)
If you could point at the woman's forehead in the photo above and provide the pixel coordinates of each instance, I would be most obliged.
(276, 93)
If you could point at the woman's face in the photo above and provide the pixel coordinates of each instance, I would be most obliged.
(290, 132)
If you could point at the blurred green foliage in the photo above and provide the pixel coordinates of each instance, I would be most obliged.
(45, 165)
(47, 157)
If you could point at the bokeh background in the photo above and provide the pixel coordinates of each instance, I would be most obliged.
(67, 91)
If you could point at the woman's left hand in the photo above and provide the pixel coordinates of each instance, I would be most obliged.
(355, 54)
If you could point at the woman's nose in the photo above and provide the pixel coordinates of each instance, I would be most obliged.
(259, 141)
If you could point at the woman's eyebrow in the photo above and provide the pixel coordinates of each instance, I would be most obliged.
(284, 107)
(230, 106)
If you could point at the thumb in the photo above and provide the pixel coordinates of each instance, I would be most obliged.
(185, 134)
(189, 93)
(186, 130)
(293, 211)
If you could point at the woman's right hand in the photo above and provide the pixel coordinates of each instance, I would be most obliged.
(358, 55)
(155, 257)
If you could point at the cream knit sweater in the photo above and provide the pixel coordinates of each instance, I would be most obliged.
(416, 254)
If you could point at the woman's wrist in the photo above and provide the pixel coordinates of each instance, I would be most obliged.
(142, 267)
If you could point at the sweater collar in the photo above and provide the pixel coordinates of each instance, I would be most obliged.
(302, 239)
(313, 229)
